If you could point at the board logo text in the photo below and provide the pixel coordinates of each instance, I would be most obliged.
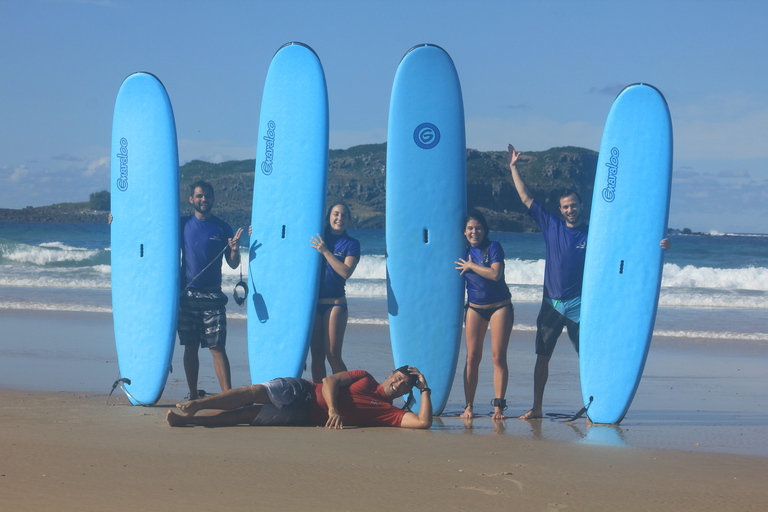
(122, 181)
(609, 192)
(266, 165)
(426, 136)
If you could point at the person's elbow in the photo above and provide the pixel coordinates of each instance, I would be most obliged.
(425, 423)
(412, 420)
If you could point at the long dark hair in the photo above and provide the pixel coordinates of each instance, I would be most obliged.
(479, 217)
(328, 215)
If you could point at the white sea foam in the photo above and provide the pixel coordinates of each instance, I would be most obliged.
(46, 253)
(41, 306)
(749, 278)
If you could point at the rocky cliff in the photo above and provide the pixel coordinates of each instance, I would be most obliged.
(358, 176)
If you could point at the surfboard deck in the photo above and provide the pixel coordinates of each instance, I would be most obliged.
(623, 266)
(289, 193)
(425, 205)
(144, 235)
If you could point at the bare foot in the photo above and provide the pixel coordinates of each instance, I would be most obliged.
(498, 415)
(190, 407)
(532, 415)
(175, 420)
(468, 414)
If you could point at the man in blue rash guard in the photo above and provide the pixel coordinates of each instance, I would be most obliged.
(202, 313)
(566, 247)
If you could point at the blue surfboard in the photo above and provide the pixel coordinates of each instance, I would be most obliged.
(426, 203)
(623, 267)
(289, 192)
(145, 235)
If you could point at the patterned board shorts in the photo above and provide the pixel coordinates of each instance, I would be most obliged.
(291, 403)
(203, 318)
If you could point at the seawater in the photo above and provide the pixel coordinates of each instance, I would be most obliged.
(713, 286)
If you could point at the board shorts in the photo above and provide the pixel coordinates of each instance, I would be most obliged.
(203, 318)
(291, 403)
(549, 326)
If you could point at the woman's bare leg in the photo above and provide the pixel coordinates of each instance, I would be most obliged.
(475, 327)
(502, 321)
(336, 327)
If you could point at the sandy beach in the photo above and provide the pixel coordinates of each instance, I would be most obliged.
(68, 451)
(693, 439)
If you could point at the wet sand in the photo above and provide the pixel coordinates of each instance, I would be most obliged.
(693, 439)
(72, 452)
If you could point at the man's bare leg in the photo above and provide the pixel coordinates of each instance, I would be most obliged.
(221, 366)
(540, 376)
(243, 415)
(192, 368)
(228, 400)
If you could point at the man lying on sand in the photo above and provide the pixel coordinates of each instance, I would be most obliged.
(345, 398)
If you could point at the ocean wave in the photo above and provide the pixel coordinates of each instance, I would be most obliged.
(688, 276)
(54, 307)
(48, 254)
(682, 286)
(713, 335)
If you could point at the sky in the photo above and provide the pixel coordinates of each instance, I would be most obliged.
(538, 74)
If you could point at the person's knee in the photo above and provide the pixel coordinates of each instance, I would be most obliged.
(474, 357)
(499, 360)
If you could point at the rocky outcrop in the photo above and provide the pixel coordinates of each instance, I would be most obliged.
(357, 176)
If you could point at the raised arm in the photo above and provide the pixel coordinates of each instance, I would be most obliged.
(522, 190)
(424, 418)
(233, 256)
(331, 385)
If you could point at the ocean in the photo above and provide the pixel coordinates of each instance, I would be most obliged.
(714, 287)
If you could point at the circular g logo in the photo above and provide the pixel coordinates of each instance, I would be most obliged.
(426, 136)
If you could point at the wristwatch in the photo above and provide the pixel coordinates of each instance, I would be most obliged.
(426, 389)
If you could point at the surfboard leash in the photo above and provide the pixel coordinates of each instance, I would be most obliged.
(242, 284)
(565, 418)
(122, 381)
(205, 268)
(238, 299)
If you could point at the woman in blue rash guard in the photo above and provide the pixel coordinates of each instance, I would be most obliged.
(341, 253)
(488, 303)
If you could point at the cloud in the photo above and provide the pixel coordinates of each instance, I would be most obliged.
(684, 173)
(213, 151)
(720, 127)
(710, 203)
(733, 174)
(607, 90)
(66, 157)
(345, 139)
(530, 134)
(94, 166)
(19, 174)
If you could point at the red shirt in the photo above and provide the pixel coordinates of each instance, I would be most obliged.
(363, 403)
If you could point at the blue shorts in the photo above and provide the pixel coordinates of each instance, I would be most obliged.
(291, 403)
(570, 308)
(549, 327)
